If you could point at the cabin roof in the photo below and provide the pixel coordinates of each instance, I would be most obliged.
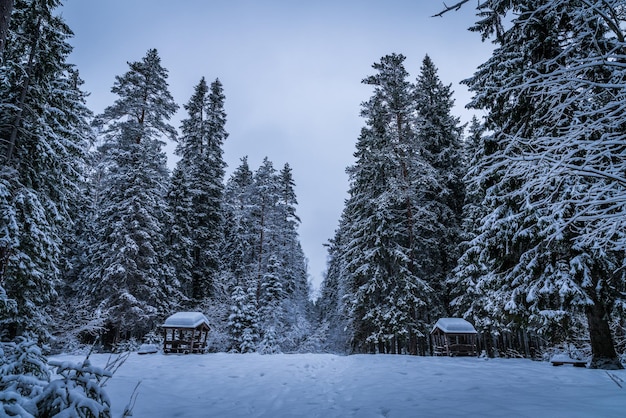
(454, 326)
(186, 320)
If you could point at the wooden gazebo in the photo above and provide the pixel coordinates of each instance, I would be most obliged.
(453, 337)
(185, 332)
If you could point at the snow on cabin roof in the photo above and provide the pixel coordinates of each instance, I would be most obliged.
(186, 320)
(454, 326)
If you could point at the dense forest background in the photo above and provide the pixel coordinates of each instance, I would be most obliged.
(514, 222)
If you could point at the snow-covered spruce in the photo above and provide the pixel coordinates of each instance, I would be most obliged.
(399, 230)
(550, 247)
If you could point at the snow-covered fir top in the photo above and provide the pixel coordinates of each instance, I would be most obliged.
(454, 325)
(186, 320)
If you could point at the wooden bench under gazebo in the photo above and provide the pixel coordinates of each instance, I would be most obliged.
(185, 332)
(454, 337)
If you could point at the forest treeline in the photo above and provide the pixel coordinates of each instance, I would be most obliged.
(519, 230)
(100, 240)
(514, 222)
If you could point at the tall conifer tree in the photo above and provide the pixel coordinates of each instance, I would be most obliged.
(180, 231)
(43, 137)
(552, 240)
(129, 278)
(438, 137)
(396, 241)
(386, 295)
(202, 167)
(238, 254)
(264, 258)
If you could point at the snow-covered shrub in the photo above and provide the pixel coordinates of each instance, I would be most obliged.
(248, 341)
(269, 343)
(242, 322)
(217, 311)
(127, 345)
(70, 344)
(77, 393)
(153, 338)
(23, 375)
(28, 389)
(580, 351)
(218, 340)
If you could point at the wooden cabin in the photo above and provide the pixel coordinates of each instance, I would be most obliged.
(185, 332)
(454, 337)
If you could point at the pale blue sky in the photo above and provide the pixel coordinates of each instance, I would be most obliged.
(291, 72)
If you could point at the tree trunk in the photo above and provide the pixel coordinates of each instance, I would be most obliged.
(412, 344)
(603, 355)
(6, 7)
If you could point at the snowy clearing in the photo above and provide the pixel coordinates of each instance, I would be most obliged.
(325, 385)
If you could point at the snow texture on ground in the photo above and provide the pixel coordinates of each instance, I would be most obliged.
(324, 385)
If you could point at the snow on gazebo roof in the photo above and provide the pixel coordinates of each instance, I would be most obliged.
(186, 320)
(454, 326)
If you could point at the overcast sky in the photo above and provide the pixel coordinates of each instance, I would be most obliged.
(291, 72)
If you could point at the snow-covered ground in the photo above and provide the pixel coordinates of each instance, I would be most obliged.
(324, 385)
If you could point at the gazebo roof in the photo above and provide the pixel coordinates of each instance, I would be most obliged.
(454, 326)
(186, 320)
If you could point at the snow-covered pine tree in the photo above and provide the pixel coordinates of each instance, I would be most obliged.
(239, 261)
(261, 234)
(331, 306)
(202, 165)
(243, 321)
(6, 8)
(238, 250)
(180, 231)
(297, 304)
(551, 239)
(238, 254)
(271, 313)
(43, 137)
(270, 219)
(264, 201)
(129, 280)
(386, 297)
(438, 137)
(183, 198)
(398, 233)
(287, 248)
(473, 295)
(467, 300)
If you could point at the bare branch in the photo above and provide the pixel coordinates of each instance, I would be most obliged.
(447, 9)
